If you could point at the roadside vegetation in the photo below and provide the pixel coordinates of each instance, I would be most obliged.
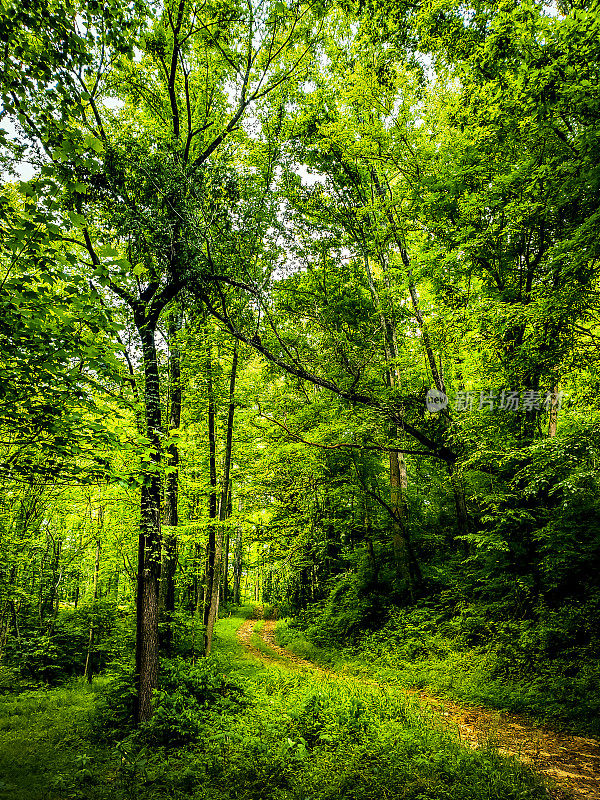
(497, 669)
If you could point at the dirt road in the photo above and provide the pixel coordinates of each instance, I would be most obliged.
(571, 764)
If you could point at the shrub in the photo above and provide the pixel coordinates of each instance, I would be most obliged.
(60, 653)
(186, 695)
(115, 709)
(347, 614)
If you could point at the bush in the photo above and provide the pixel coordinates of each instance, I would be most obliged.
(114, 717)
(52, 657)
(186, 695)
(270, 612)
(347, 614)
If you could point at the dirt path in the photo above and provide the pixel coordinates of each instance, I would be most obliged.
(571, 763)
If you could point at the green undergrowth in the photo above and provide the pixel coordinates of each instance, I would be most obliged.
(227, 644)
(232, 727)
(45, 745)
(412, 652)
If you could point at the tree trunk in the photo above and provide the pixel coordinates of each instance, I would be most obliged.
(553, 413)
(460, 501)
(171, 518)
(223, 506)
(78, 573)
(213, 607)
(212, 498)
(149, 545)
(257, 580)
(237, 560)
(398, 474)
(247, 581)
(89, 660)
(225, 580)
(398, 485)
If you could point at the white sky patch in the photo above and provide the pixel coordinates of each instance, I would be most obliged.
(551, 9)
(426, 61)
(24, 170)
(346, 255)
(309, 178)
(113, 103)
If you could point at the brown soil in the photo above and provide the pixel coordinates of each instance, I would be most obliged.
(570, 764)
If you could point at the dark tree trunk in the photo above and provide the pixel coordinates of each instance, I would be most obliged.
(553, 413)
(237, 561)
(398, 485)
(149, 547)
(49, 587)
(225, 581)
(212, 498)
(171, 517)
(213, 606)
(225, 508)
(89, 660)
(460, 501)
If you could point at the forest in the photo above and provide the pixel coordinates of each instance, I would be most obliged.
(299, 380)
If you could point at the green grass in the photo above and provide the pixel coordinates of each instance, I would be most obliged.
(295, 641)
(225, 642)
(44, 741)
(295, 736)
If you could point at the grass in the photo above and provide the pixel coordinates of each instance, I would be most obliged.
(295, 736)
(295, 641)
(227, 643)
(44, 737)
(333, 738)
(259, 643)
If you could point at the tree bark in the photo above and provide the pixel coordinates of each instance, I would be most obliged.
(89, 660)
(398, 486)
(171, 518)
(213, 608)
(223, 507)
(460, 500)
(237, 560)
(397, 464)
(149, 545)
(553, 413)
(225, 578)
(212, 498)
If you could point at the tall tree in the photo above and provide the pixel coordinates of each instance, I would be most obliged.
(131, 178)
(219, 561)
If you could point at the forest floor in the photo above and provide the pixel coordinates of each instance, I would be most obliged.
(569, 764)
